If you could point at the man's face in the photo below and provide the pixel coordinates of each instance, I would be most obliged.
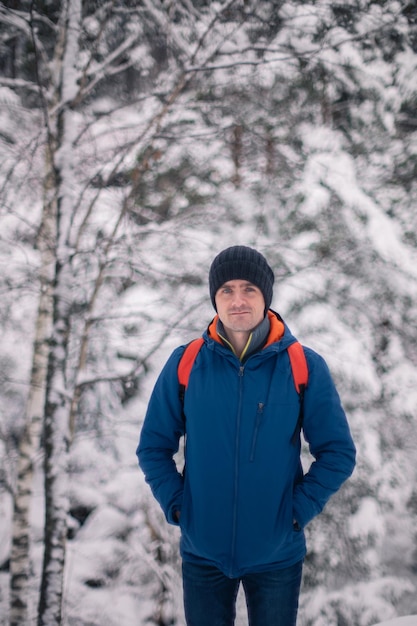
(240, 305)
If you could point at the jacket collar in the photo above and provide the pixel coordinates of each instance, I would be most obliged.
(269, 331)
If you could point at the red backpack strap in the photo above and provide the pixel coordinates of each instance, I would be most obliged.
(185, 366)
(298, 365)
(300, 375)
(187, 360)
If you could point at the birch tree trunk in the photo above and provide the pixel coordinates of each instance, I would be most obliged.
(20, 609)
(56, 433)
(21, 605)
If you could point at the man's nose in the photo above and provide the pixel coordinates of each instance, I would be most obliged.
(238, 299)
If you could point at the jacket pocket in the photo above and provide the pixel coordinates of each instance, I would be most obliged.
(258, 420)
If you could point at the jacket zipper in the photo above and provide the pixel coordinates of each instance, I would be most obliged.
(259, 415)
(236, 477)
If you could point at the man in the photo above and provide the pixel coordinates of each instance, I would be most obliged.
(243, 501)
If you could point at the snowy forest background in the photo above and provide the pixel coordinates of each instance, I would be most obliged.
(138, 139)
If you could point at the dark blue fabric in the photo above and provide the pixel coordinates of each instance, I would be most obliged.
(244, 483)
(210, 596)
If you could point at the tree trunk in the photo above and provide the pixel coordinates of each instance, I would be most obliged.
(58, 390)
(56, 499)
(30, 442)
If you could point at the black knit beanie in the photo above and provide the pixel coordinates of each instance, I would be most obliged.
(241, 263)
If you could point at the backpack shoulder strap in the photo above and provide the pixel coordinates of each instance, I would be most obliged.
(300, 375)
(298, 365)
(187, 360)
(185, 365)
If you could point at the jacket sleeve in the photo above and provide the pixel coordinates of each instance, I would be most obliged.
(327, 433)
(159, 440)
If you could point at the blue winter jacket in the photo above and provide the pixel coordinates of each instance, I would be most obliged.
(244, 484)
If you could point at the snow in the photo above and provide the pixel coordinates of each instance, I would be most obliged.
(367, 519)
(408, 620)
(121, 553)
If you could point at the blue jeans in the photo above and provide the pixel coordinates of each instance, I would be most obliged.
(210, 596)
